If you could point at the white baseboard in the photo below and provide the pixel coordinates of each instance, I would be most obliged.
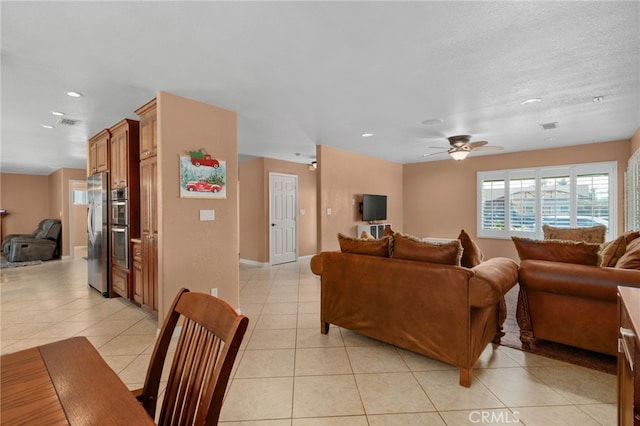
(254, 263)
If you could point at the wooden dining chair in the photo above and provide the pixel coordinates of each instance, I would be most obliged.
(210, 336)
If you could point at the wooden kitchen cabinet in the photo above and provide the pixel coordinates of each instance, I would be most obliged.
(149, 232)
(148, 129)
(98, 155)
(136, 275)
(120, 281)
(125, 141)
(629, 356)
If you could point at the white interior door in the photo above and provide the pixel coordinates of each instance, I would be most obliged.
(283, 205)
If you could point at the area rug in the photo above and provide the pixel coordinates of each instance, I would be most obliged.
(577, 356)
(4, 263)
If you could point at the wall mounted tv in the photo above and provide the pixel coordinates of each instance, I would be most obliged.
(374, 207)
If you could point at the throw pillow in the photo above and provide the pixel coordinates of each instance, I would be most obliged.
(592, 234)
(577, 252)
(611, 251)
(631, 235)
(412, 248)
(387, 232)
(368, 247)
(631, 258)
(471, 253)
(366, 236)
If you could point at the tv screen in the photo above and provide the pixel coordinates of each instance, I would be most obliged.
(374, 207)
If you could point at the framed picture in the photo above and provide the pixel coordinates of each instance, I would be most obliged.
(203, 178)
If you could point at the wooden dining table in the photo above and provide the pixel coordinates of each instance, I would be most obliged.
(65, 383)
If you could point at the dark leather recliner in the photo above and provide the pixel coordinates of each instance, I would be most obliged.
(45, 243)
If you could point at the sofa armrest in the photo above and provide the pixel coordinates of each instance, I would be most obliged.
(492, 279)
(316, 264)
(593, 282)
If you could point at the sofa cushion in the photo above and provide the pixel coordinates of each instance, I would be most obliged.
(578, 252)
(631, 257)
(471, 253)
(412, 248)
(611, 251)
(592, 234)
(360, 246)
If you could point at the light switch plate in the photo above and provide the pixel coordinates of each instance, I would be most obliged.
(207, 215)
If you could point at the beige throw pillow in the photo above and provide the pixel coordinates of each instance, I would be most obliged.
(592, 234)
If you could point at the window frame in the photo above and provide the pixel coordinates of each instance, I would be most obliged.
(539, 173)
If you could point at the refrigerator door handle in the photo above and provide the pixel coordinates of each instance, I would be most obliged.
(92, 236)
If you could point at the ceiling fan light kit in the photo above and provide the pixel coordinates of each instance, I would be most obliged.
(459, 155)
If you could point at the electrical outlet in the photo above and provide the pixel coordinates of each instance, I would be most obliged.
(214, 292)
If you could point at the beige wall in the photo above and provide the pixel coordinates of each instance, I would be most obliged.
(26, 198)
(635, 141)
(342, 179)
(254, 207)
(31, 198)
(440, 196)
(194, 254)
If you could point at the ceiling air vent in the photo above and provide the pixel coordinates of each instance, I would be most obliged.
(549, 126)
(68, 121)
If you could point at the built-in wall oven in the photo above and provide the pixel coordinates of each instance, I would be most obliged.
(120, 227)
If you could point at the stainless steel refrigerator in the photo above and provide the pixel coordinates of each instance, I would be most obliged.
(98, 229)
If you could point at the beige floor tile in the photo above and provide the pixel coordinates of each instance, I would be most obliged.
(134, 374)
(266, 363)
(119, 362)
(313, 338)
(491, 357)
(280, 308)
(257, 399)
(568, 415)
(63, 329)
(272, 339)
(127, 345)
(322, 396)
(392, 393)
(527, 359)
(446, 394)
(332, 421)
(376, 359)
(309, 308)
(517, 387)
(605, 414)
(309, 321)
(108, 328)
(275, 322)
(277, 422)
(418, 362)
(579, 385)
(282, 297)
(321, 361)
(406, 419)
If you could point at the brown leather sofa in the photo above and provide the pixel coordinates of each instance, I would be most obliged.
(446, 312)
(571, 304)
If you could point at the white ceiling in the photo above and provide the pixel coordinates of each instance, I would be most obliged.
(305, 73)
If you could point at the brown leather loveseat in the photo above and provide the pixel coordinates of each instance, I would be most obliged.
(447, 312)
(568, 290)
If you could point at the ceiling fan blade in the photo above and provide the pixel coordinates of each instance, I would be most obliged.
(477, 144)
(435, 153)
(488, 148)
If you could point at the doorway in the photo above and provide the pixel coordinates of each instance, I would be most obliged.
(283, 229)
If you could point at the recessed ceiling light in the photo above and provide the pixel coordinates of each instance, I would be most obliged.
(550, 139)
(74, 94)
(59, 114)
(598, 99)
(531, 101)
(432, 121)
(46, 126)
(367, 135)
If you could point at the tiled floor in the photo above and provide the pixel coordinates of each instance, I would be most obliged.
(289, 374)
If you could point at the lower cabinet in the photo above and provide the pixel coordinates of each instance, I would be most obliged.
(136, 278)
(120, 282)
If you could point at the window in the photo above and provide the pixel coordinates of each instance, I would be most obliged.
(79, 196)
(568, 196)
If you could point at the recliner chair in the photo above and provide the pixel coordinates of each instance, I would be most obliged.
(43, 244)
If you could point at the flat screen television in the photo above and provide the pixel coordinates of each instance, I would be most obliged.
(374, 207)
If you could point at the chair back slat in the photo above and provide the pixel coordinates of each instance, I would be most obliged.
(210, 336)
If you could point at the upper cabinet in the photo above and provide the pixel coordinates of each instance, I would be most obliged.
(148, 128)
(124, 154)
(98, 156)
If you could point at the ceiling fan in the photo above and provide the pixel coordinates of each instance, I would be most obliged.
(461, 146)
